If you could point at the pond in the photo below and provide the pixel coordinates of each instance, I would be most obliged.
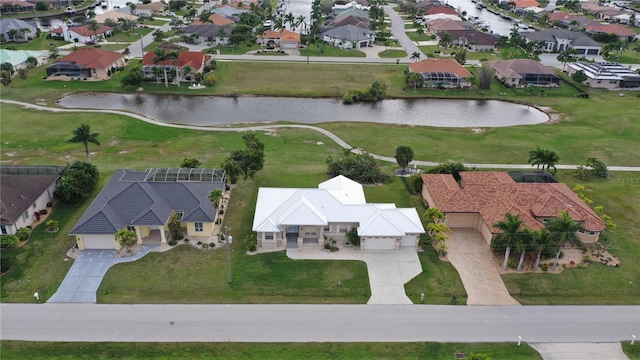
(214, 111)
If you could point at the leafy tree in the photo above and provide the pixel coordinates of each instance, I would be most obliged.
(23, 73)
(509, 236)
(404, 155)
(352, 236)
(175, 227)
(133, 77)
(232, 169)
(215, 196)
(32, 62)
(190, 163)
(446, 40)
(579, 76)
(6, 66)
(360, 167)
(485, 75)
(449, 167)
(82, 134)
(415, 183)
(92, 25)
(209, 79)
(562, 229)
(461, 56)
(249, 160)
(42, 6)
(77, 181)
(592, 168)
(126, 238)
(5, 78)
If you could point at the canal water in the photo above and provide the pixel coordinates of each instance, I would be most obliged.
(214, 111)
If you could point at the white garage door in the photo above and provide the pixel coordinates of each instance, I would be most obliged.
(380, 243)
(290, 45)
(99, 241)
(408, 241)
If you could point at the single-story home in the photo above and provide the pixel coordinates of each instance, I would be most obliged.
(339, 8)
(81, 34)
(114, 16)
(15, 7)
(473, 39)
(154, 8)
(18, 58)
(216, 19)
(347, 20)
(145, 201)
(438, 25)
(606, 75)
(17, 30)
(484, 197)
(305, 218)
(209, 33)
(561, 39)
(349, 37)
(622, 32)
(271, 38)
(523, 4)
(87, 62)
(25, 190)
(447, 73)
(440, 9)
(195, 59)
(523, 72)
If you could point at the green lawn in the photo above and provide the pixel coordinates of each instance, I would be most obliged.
(30, 15)
(414, 36)
(233, 50)
(633, 352)
(628, 56)
(331, 51)
(390, 54)
(438, 282)
(40, 43)
(315, 351)
(128, 36)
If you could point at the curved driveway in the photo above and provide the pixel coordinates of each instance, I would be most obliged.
(325, 132)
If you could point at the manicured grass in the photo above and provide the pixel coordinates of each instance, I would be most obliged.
(414, 36)
(40, 43)
(427, 350)
(129, 36)
(628, 56)
(392, 54)
(154, 22)
(233, 50)
(595, 283)
(113, 47)
(60, 10)
(331, 51)
(438, 282)
(633, 352)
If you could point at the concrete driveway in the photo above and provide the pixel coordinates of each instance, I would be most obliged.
(83, 279)
(388, 270)
(580, 351)
(471, 256)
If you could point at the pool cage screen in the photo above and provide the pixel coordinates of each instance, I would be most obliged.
(185, 174)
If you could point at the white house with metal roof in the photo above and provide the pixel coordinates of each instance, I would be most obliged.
(306, 218)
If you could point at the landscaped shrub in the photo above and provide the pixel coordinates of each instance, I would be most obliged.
(205, 246)
(5, 264)
(212, 244)
(221, 211)
(512, 264)
(209, 79)
(186, 240)
(253, 247)
(353, 237)
(173, 242)
(23, 234)
(9, 241)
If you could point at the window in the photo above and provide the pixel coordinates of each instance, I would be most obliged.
(268, 236)
(592, 233)
(327, 228)
(198, 227)
(131, 228)
(4, 230)
(180, 214)
(343, 229)
(25, 216)
(309, 233)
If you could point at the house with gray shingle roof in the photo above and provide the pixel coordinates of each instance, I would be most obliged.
(349, 37)
(25, 190)
(562, 39)
(145, 201)
(25, 30)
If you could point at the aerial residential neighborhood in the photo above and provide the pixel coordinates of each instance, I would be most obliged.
(320, 179)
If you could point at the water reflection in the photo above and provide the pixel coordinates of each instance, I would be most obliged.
(212, 111)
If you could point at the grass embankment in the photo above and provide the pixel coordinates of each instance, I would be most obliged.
(39, 43)
(428, 350)
(632, 351)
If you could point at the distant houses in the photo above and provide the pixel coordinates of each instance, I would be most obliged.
(19, 59)
(16, 30)
(81, 34)
(606, 75)
(290, 39)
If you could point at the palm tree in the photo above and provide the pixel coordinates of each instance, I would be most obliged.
(12, 34)
(82, 134)
(524, 242)
(563, 229)
(5, 78)
(156, 71)
(300, 20)
(415, 56)
(205, 17)
(279, 24)
(187, 71)
(510, 234)
(543, 157)
(127, 53)
(539, 241)
(215, 196)
(93, 26)
(446, 40)
(162, 56)
(434, 214)
(414, 79)
(291, 20)
(23, 73)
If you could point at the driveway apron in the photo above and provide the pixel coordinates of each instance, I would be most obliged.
(469, 253)
(582, 351)
(83, 279)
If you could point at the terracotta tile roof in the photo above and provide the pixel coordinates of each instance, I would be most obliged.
(195, 59)
(84, 30)
(441, 9)
(286, 35)
(216, 19)
(440, 65)
(493, 194)
(560, 15)
(611, 29)
(92, 58)
(57, 30)
(526, 3)
(437, 25)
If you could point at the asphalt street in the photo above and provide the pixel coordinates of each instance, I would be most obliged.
(323, 323)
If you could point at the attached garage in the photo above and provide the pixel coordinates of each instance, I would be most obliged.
(462, 220)
(380, 243)
(101, 241)
(290, 44)
(409, 241)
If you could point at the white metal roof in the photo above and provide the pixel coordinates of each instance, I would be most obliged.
(336, 200)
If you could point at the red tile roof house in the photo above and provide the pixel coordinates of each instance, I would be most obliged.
(82, 34)
(484, 197)
(290, 39)
(442, 72)
(195, 59)
(87, 63)
(473, 39)
(623, 33)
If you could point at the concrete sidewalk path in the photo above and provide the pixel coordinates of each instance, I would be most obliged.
(580, 351)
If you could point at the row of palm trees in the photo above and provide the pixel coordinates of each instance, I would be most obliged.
(543, 158)
(514, 234)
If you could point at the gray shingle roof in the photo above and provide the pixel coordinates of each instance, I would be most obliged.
(19, 192)
(207, 30)
(349, 33)
(129, 200)
(577, 38)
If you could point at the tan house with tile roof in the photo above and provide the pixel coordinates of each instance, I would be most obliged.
(484, 197)
(441, 72)
(216, 19)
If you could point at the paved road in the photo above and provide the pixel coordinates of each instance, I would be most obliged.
(305, 323)
(325, 132)
(398, 31)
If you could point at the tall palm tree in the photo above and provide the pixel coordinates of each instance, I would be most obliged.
(539, 241)
(415, 56)
(510, 234)
(82, 134)
(93, 26)
(13, 33)
(187, 71)
(156, 71)
(162, 56)
(543, 157)
(300, 20)
(279, 24)
(563, 229)
(291, 20)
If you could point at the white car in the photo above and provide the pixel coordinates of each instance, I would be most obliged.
(267, 23)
